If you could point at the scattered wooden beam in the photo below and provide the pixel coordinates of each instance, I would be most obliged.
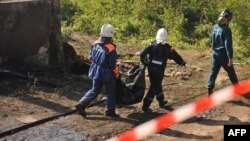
(241, 63)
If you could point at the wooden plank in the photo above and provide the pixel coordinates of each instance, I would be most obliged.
(26, 119)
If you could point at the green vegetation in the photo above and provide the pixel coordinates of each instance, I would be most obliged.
(189, 22)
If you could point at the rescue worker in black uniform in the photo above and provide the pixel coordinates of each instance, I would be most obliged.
(155, 57)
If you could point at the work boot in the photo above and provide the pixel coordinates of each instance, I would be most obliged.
(163, 104)
(146, 108)
(210, 92)
(81, 109)
(111, 114)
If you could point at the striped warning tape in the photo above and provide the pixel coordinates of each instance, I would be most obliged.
(185, 112)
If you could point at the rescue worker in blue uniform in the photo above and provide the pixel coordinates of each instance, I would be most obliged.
(222, 50)
(155, 57)
(102, 71)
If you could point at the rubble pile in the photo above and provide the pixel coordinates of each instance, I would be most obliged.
(77, 64)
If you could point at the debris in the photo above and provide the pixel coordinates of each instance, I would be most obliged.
(194, 67)
(212, 113)
(27, 77)
(241, 63)
(26, 119)
(77, 64)
(178, 74)
(79, 67)
(174, 83)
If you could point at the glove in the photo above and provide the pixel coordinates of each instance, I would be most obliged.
(116, 71)
(146, 62)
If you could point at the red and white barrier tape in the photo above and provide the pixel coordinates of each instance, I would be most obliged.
(185, 112)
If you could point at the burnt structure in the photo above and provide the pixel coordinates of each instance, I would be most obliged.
(30, 31)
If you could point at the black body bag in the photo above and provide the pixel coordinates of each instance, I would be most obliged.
(131, 90)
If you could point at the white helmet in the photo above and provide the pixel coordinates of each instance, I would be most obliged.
(162, 36)
(107, 30)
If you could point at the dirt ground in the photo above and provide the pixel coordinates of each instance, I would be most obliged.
(24, 101)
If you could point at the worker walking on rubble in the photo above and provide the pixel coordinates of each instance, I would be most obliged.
(155, 57)
(222, 50)
(102, 71)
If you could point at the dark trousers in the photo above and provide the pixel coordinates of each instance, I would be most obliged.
(220, 59)
(96, 89)
(155, 89)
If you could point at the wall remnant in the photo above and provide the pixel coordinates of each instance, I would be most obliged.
(25, 27)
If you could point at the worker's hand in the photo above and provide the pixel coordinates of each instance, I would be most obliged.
(230, 62)
(116, 71)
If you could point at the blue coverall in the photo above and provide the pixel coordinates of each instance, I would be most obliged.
(102, 73)
(221, 40)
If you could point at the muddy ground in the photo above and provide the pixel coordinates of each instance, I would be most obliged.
(24, 101)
